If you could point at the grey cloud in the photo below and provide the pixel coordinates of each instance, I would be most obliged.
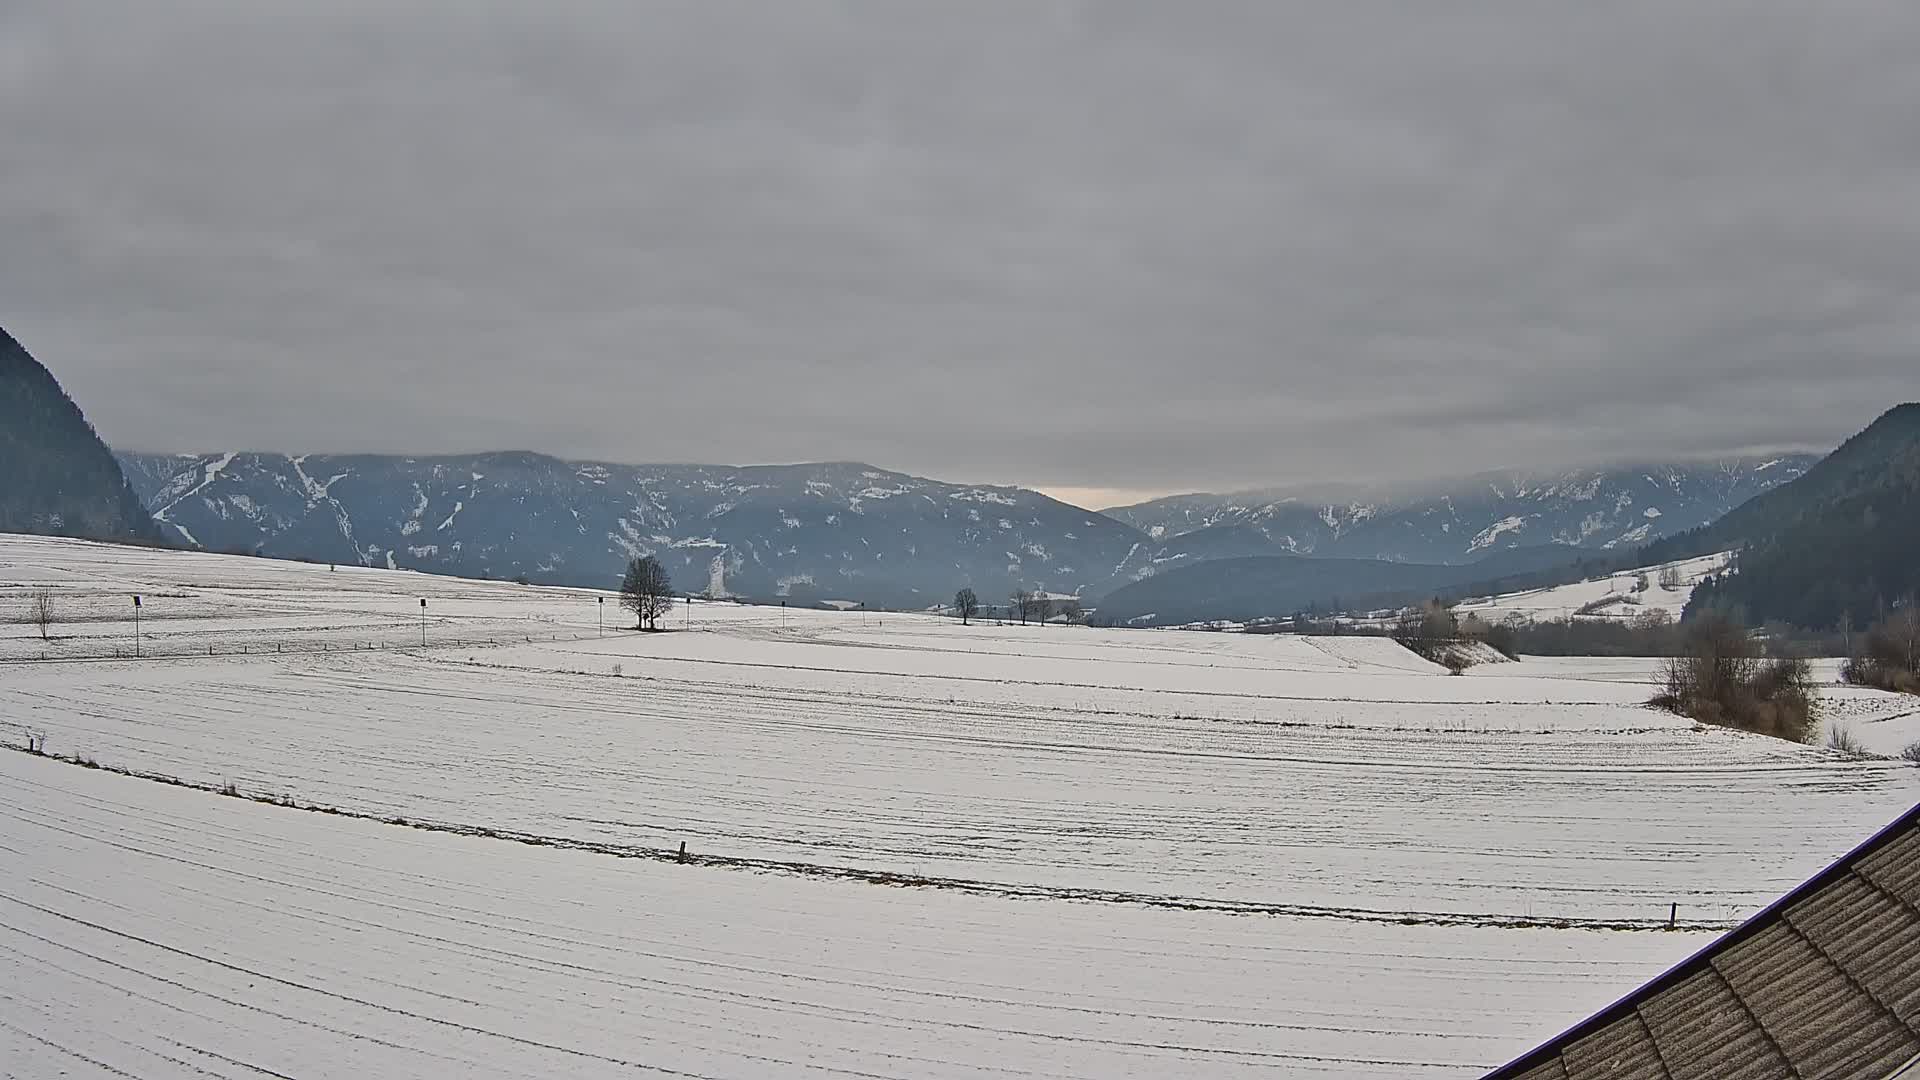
(1122, 245)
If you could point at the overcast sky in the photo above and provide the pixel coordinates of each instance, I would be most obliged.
(1099, 248)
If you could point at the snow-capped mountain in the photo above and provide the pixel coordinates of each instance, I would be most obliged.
(842, 531)
(810, 532)
(1454, 522)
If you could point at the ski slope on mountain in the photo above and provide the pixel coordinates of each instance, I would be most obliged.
(916, 848)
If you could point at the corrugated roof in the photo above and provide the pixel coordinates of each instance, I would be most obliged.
(1825, 983)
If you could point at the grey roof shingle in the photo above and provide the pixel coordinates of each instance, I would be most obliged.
(1823, 985)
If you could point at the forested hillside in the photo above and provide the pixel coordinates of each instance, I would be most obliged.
(56, 476)
(1841, 542)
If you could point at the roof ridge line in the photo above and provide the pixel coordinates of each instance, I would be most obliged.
(1703, 958)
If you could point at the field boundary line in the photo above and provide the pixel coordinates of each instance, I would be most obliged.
(901, 879)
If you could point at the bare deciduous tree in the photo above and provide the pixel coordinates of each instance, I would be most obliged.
(1021, 602)
(966, 605)
(1904, 627)
(1039, 607)
(40, 612)
(1888, 654)
(646, 591)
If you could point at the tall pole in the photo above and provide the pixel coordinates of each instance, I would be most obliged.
(783, 614)
(136, 625)
(423, 622)
(689, 611)
(603, 616)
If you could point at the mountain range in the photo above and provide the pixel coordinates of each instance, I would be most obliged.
(806, 532)
(1459, 521)
(1816, 543)
(817, 532)
(848, 531)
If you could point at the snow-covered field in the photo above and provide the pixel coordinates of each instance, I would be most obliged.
(1883, 723)
(163, 932)
(1616, 596)
(920, 849)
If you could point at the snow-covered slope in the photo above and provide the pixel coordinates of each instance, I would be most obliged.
(809, 532)
(1616, 596)
(1456, 522)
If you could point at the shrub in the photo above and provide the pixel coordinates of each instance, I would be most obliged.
(1719, 678)
(1887, 656)
(1431, 621)
(1430, 630)
(1844, 740)
(1504, 638)
(1911, 753)
(1866, 671)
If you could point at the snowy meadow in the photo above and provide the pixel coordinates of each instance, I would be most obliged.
(912, 848)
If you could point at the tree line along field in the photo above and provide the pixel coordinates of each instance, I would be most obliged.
(916, 848)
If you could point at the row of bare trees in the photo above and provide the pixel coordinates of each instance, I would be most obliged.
(1888, 654)
(1023, 604)
(1042, 608)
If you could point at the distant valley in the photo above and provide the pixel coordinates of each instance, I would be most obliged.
(850, 531)
(840, 531)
